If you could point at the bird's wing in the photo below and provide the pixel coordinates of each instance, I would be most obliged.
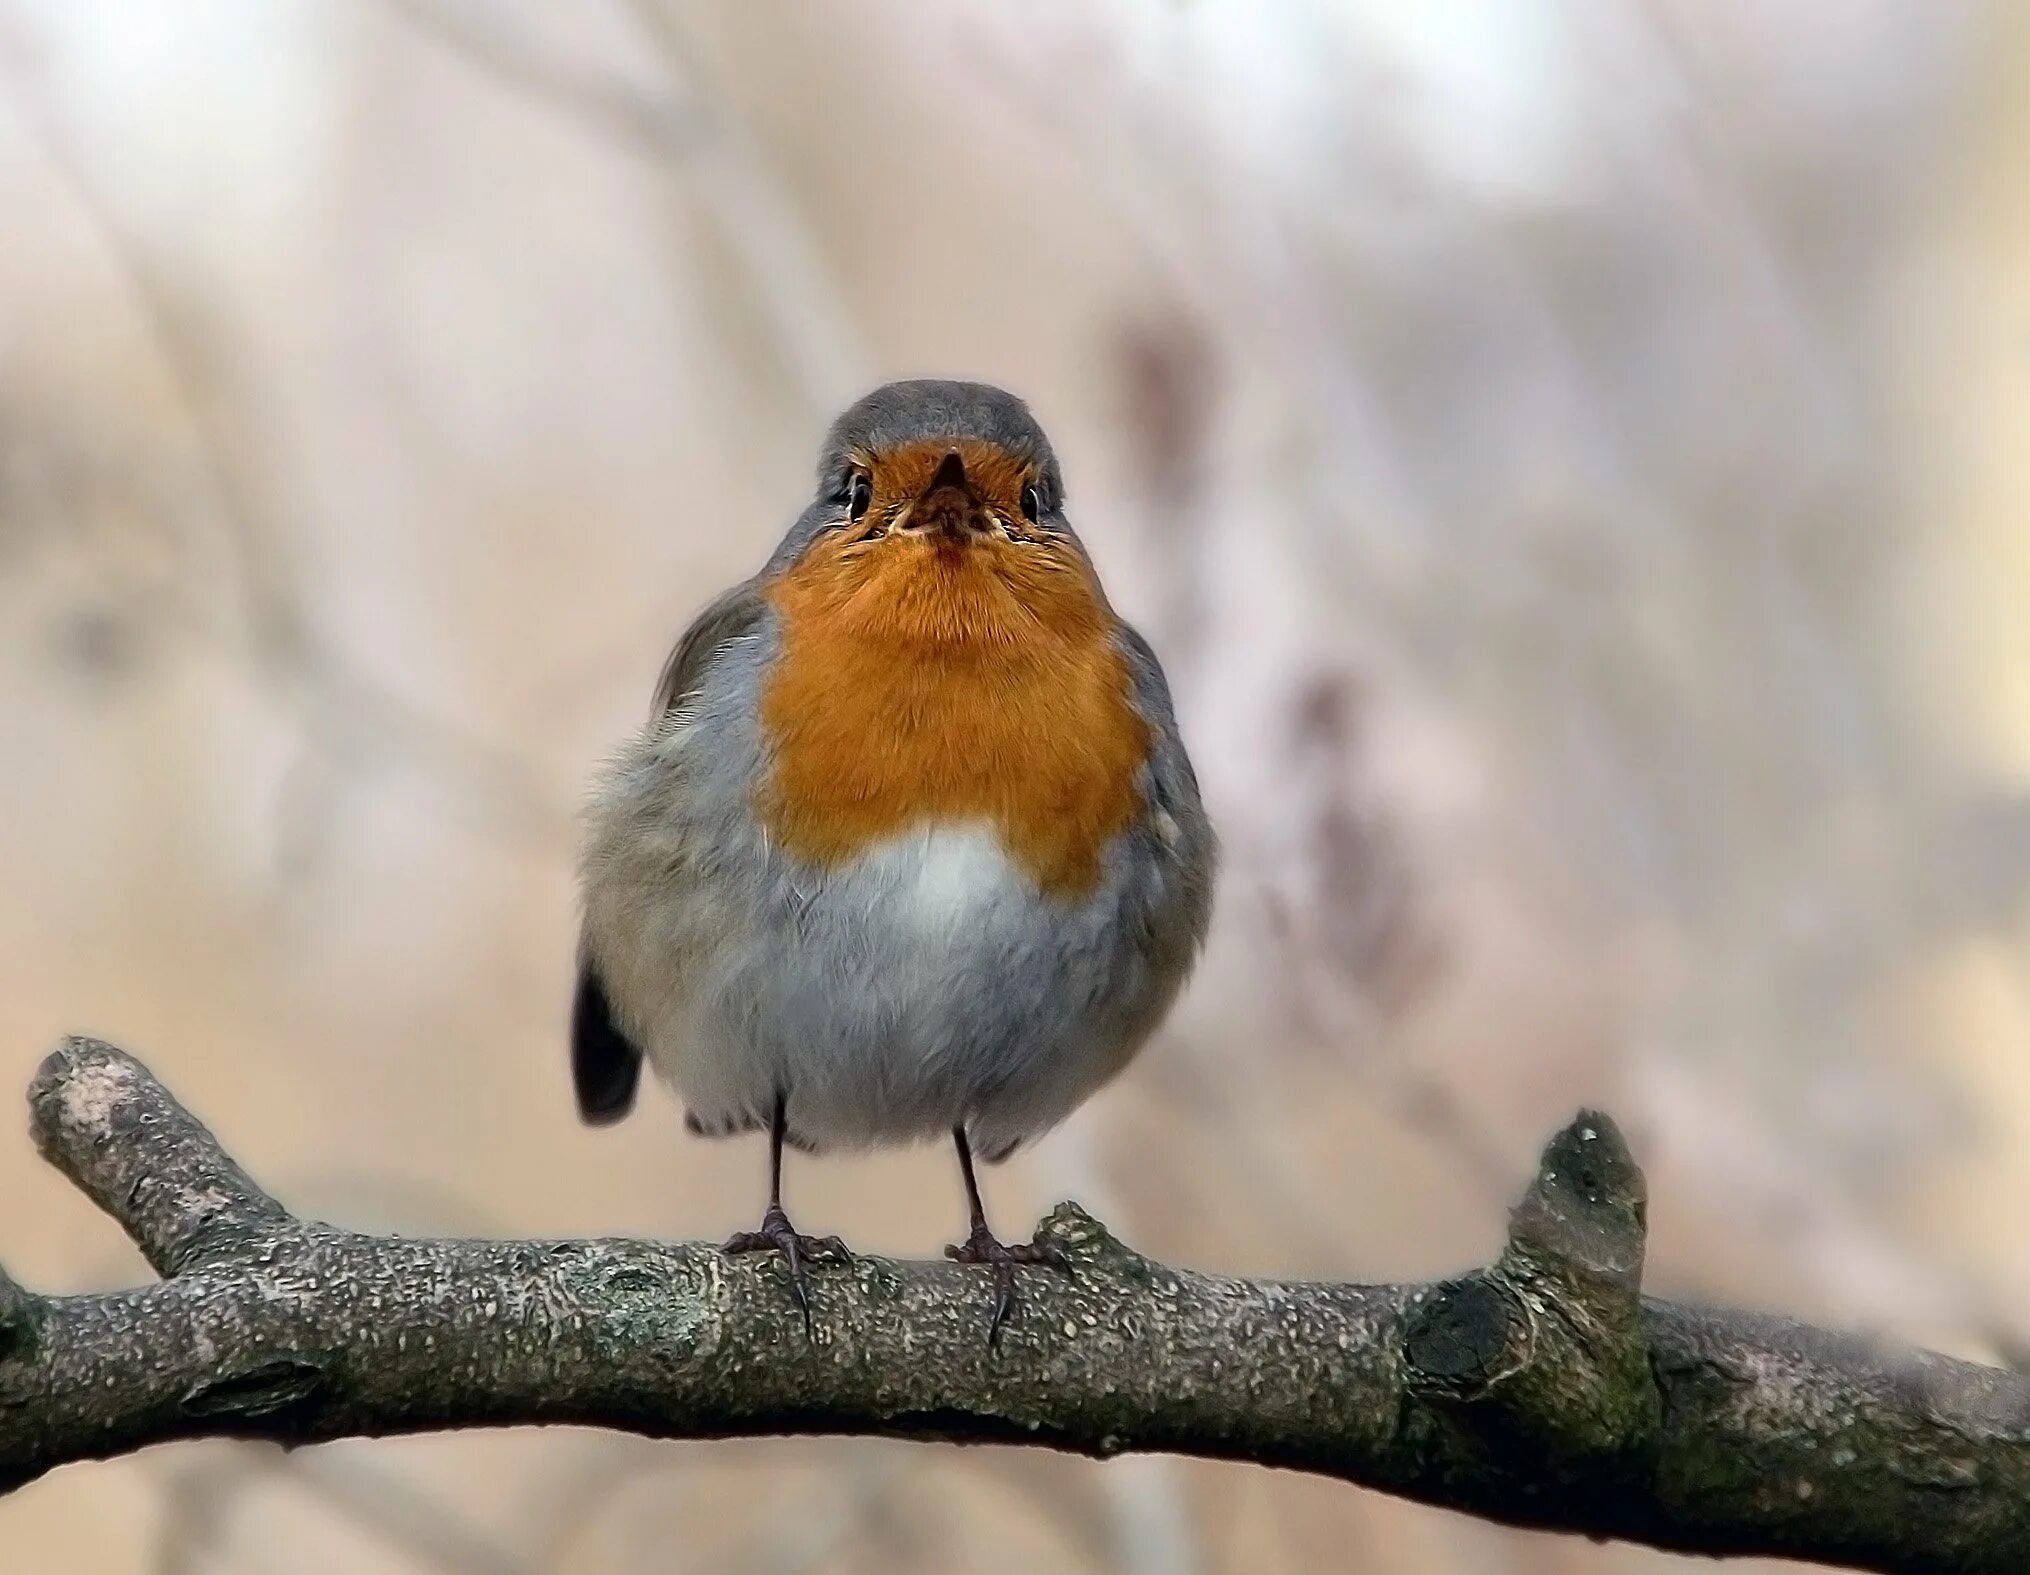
(605, 1063)
(1174, 784)
(1177, 814)
(730, 616)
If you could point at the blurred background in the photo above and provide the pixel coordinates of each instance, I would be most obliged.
(1570, 457)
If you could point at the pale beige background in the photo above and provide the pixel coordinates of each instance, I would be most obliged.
(1570, 457)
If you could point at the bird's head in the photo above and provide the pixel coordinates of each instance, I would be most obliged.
(941, 464)
(940, 510)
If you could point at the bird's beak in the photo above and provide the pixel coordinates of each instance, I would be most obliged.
(949, 505)
(952, 473)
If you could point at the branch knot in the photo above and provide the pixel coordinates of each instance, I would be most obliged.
(1079, 1234)
(17, 1319)
(1552, 1335)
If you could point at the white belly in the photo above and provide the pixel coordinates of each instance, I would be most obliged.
(927, 983)
(942, 885)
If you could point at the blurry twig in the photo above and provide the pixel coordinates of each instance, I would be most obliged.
(656, 124)
(387, 1502)
(274, 629)
(1857, 1265)
(346, 711)
(792, 285)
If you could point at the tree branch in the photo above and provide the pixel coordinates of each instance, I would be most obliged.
(103, 1120)
(1542, 1391)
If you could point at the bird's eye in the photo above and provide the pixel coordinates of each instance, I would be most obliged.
(859, 494)
(1032, 502)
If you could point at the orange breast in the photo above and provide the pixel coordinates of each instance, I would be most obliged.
(923, 680)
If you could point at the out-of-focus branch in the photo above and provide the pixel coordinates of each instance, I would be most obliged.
(671, 123)
(654, 123)
(353, 714)
(1542, 1391)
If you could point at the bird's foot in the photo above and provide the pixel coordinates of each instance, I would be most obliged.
(981, 1247)
(778, 1235)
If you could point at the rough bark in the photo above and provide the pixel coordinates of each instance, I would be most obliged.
(1543, 1390)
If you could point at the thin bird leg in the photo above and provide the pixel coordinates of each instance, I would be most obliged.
(981, 1246)
(777, 1234)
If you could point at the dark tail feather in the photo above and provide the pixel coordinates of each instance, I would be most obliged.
(605, 1065)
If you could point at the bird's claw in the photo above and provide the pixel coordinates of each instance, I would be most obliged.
(778, 1235)
(982, 1247)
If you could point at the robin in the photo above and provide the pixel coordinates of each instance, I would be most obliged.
(910, 847)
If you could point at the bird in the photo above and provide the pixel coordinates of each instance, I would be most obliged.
(910, 848)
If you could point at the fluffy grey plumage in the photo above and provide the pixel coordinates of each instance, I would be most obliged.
(927, 984)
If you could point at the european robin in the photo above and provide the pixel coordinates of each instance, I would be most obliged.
(910, 846)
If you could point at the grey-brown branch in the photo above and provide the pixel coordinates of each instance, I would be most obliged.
(1543, 1391)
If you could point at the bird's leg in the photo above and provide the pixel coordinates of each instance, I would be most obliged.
(777, 1233)
(981, 1246)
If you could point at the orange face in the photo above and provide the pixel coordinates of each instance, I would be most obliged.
(943, 659)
